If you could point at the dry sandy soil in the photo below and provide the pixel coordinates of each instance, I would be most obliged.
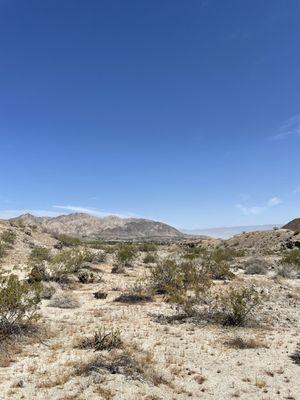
(162, 360)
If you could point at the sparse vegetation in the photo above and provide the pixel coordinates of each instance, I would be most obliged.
(150, 259)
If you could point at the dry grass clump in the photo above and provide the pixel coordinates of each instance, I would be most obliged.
(241, 343)
(133, 364)
(102, 339)
(138, 293)
(296, 355)
(64, 300)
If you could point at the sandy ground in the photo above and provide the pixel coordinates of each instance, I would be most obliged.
(193, 360)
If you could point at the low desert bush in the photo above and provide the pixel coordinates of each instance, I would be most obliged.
(102, 339)
(67, 263)
(39, 254)
(19, 303)
(184, 284)
(8, 237)
(256, 266)
(237, 305)
(150, 259)
(292, 257)
(239, 342)
(288, 271)
(126, 253)
(3, 250)
(63, 300)
(147, 247)
(68, 241)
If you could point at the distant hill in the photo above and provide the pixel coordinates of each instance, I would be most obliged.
(227, 232)
(293, 225)
(111, 227)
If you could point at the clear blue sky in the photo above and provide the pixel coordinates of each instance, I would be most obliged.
(182, 111)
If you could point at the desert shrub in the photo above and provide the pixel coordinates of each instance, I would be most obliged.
(292, 257)
(103, 340)
(18, 303)
(194, 253)
(241, 343)
(47, 291)
(118, 269)
(217, 270)
(66, 263)
(150, 259)
(3, 250)
(38, 273)
(8, 236)
(225, 254)
(126, 253)
(68, 241)
(256, 266)
(39, 254)
(63, 300)
(147, 247)
(99, 257)
(288, 271)
(184, 284)
(132, 298)
(100, 295)
(236, 306)
(86, 277)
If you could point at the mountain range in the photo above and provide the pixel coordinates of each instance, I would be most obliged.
(110, 227)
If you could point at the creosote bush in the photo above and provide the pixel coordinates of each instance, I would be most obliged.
(183, 284)
(18, 303)
(8, 237)
(236, 306)
(68, 241)
(126, 253)
(292, 257)
(150, 259)
(39, 254)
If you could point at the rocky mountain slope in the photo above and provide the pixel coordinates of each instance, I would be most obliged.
(293, 225)
(85, 225)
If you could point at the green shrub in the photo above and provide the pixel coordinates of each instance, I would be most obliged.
(18, 303)
(67, 263)
(68, 241)
(292, 257)
(39, 254)
(8, 236)
(147, 247)
(150, 259)
(236, 305)
(183, 284)
(126, 253)
(3, 250)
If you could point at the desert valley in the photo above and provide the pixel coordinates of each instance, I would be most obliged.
(110, 308)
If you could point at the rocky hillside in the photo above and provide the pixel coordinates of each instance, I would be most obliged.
(293, 225)
(111, 227)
